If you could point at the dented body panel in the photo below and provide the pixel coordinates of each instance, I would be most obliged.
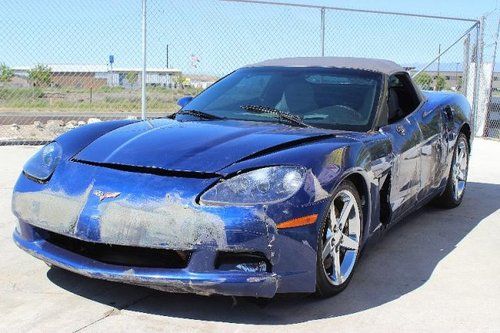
(154, 172)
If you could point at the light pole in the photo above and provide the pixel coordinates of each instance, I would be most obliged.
(167, 57)
(143, 88)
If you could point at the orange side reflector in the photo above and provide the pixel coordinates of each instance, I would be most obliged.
(305, 220)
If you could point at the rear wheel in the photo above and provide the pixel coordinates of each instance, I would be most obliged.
(457, 179)
(339, 241)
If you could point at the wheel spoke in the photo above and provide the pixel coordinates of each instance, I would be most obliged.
(344, 215)
(336, 266)
(327, 249)
(463, 163)
(349, 243)
(461, 175)
(461, 155)
(333, 220)
(354, 226)
(455, 184)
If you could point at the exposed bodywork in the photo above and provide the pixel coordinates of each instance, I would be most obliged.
(137, 184)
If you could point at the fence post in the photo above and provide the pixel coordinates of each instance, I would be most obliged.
(466, 66)
(322, 31)
(481, 60)
(143, 80)
(478, 71)
(492, 80)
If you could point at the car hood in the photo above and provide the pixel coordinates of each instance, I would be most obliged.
(193, 146)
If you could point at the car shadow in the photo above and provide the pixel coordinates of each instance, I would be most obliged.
(400, 263)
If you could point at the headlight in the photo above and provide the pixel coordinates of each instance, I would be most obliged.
(262, 186)
(44, 162)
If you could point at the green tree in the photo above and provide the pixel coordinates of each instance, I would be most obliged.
(40, 76)
(424, 80)
(440, 83)
(458, 87)
(132, 77)
(180, 81)
(6, 73)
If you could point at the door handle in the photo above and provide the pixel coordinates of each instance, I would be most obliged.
(401, 130)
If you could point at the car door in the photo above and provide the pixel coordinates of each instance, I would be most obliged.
(403, 107)
(406, 137)
(431, 120)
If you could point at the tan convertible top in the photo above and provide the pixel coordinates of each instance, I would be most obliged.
(375, 65)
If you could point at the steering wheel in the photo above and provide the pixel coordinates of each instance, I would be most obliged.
(355, 114)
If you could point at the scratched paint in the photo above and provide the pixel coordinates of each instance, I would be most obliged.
(160, 223)
(54, 211)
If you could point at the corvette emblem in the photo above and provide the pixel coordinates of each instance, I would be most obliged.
(106, 195)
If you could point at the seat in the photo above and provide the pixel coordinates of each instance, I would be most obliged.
(298, 97)
(394, 109)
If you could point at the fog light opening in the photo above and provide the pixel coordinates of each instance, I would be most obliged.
(243, 262)
(257, 267)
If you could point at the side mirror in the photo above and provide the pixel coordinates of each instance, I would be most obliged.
(182, 102)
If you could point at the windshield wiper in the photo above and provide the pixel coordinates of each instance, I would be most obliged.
(278, 113)
(199, 114)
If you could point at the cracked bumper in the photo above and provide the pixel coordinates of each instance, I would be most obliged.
(170, 280)
(165, 217)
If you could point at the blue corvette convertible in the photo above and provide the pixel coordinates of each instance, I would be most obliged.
(272, 180)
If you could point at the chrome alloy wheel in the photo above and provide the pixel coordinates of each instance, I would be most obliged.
(341, 238)
(460, 167)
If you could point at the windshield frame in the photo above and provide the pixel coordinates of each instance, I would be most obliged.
(363, 73)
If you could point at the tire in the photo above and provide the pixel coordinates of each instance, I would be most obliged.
(332, 278)
(457, 180)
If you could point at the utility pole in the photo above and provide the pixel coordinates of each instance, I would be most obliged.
(439, 59)
(322, 32)
(143, 83)
(167, 57)
(438, 67)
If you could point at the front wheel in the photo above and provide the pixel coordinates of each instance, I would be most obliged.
(339, 241)
(457, 179)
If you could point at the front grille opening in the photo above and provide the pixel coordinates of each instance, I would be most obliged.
(254, 262)
(119, 254)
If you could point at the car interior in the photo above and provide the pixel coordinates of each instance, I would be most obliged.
(322, 100)
(345, 103)
(402, 98)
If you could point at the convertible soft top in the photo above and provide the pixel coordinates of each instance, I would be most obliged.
(375, 65)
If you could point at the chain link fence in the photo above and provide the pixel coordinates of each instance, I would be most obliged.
(491, 126)
(67, 63)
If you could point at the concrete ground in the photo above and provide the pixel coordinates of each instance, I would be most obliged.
(439, 270)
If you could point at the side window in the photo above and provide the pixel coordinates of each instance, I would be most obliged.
(402, 98)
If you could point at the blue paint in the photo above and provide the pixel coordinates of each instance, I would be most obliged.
(198, 153)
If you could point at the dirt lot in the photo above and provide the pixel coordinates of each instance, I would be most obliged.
(437, 271)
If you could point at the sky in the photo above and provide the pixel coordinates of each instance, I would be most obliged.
(226, 35)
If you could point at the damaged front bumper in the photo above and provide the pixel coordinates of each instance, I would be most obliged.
(154, 212)
(172, 280)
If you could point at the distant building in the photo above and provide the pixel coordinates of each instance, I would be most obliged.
(201, 81)
(97, 76)
(453, 74)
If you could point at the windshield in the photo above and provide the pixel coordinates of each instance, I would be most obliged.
(322, 97)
